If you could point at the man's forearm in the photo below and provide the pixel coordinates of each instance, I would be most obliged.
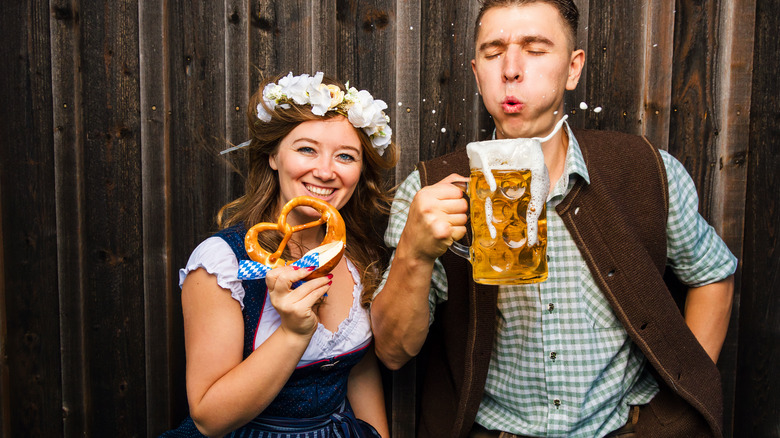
(400, 313)
(707, 313)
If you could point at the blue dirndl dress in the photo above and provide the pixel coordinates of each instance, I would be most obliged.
(313, 402)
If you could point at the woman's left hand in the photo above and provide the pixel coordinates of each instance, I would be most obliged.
(296, 307)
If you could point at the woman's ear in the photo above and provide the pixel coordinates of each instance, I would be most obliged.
(272, 162)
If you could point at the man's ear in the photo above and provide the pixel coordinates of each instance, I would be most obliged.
(575, 69)
(476, 76)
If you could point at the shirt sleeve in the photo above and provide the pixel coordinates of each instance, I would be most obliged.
(218, 259)
(695, 252)
(399, 213)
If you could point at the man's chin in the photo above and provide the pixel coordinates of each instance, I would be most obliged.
(510, 131)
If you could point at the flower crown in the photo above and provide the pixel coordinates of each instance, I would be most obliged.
(362, 110)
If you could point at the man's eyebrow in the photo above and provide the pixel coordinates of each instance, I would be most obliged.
(529, 39)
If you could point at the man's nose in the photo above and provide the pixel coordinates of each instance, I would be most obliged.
(512, 66)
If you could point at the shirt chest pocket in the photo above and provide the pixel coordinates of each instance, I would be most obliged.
(596, 308)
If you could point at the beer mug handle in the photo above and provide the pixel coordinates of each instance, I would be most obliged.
(456, 247)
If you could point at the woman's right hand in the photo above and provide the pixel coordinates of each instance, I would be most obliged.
(296, 307)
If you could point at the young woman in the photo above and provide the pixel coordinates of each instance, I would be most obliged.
(264, 358)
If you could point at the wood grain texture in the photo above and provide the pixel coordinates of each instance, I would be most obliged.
(30, 403)
(757, 401)
(31, 375)
(614, 83)
(406, 128)
(693, 125)
(448, 89)
(162, 351)
(113, 246)
(733, 83)
(658, 41)
(114, 115)
(5, 373)
(68, 136)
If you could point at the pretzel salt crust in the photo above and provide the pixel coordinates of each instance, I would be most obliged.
(335, 236)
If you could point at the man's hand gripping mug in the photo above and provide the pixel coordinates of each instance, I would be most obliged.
(508, 190)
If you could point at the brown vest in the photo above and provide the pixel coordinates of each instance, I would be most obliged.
(618, 222)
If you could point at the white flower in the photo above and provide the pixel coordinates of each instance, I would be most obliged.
(272, 92)
(363, 111)
(295, 88)
(262, 114)
(381, 140)
(320, 100)
(360, 107)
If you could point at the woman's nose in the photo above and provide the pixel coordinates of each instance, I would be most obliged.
(324, 169)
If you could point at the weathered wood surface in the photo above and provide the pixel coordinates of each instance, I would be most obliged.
(110, 175)
(31, 390)
(756, 403)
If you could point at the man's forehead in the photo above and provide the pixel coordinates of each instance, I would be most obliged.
(520, 24)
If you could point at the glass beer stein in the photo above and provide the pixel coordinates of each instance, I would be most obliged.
(508, 189)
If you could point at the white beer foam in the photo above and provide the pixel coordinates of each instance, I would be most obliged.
(515, 154)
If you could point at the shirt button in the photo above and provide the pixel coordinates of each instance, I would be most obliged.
(557, 403)
(550, 307)
(553, 355)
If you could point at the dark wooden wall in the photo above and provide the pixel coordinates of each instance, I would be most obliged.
(113, 113)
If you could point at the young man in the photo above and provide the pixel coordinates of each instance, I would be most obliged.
(600, 348)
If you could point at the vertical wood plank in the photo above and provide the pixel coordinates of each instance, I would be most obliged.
(262, 40)
(406, 130)
(237, 87)
(69, 194)
(324, 36)
(406, 127)
(197, 123)
(692, 122)
(288, 24)
(447, 89)
(159, 281)
(5, 374)
(614, 76)
(365, 42)
(658, 41)
(30, 353)
(280, 38)
(757, 400)
(113, 299)
(196, 119)
(727, 197)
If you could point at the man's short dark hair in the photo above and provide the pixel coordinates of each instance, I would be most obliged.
(566, 8)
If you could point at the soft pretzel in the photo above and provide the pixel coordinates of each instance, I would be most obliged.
(335, 236)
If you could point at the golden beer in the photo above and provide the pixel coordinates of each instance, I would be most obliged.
(500, 253)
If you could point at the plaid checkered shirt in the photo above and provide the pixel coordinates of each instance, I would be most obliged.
(562, 364)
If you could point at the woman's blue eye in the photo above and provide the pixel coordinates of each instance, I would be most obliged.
(346, 157)
(306, 150)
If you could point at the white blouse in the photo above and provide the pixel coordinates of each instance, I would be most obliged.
(217, 258)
